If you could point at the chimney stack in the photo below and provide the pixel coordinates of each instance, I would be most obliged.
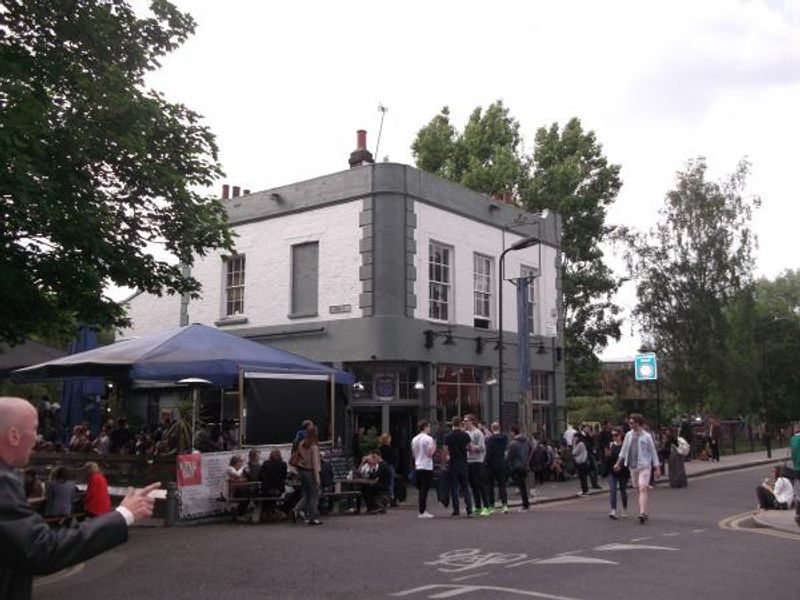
(226, 191)
(236, 190)
(361, 156)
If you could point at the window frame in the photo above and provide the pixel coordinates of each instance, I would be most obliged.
(533, 296)
(482, 296)
(443, 306)
(234, 285)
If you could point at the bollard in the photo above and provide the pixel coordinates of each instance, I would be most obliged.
(171, 509)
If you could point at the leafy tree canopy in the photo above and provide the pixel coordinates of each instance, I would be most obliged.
(568, 173)
(95, 170)
(694, 277)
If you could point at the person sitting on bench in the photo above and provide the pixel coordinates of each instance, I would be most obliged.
(377, 494)
(778, 496)
(60, 496)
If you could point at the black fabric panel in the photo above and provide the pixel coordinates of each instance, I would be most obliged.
(276, 407)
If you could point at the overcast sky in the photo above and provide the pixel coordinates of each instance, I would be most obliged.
(284, 86)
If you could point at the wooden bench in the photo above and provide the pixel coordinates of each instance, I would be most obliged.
(259, 501)
(335, 496)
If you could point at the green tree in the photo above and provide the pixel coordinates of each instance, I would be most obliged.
(572, 177)
(487, 157)
(694, 275)
(776, 331)
(567, 173)
(97, 171)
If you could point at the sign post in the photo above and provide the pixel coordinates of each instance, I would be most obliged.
(645, 368)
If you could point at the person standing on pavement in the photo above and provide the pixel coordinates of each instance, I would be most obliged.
(616, 478)
(591, 455)
(517, 460)
(714, 435)
(308, 469)
(639, 454)
(496, 445)
(476, 455)
(457, 444)
(580, 457)
(423, 448)
(28, 546)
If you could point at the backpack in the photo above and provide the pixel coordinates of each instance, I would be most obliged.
(683, 447)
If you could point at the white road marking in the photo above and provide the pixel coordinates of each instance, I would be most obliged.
(457, 590)
(698, 530)
(641, 539)
(465, 559)
(40, 581)
(615, 547)
(574, 560)
(465, 577)
(671, 534)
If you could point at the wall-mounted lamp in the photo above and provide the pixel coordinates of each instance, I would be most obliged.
(419, 386)
(541, 349)
(431, 335)
(478, 345)
(491, 381)
(358, 386)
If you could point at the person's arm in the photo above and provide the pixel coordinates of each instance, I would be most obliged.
(28, 543)
(623, 453)
(431, 448)
(654, 454)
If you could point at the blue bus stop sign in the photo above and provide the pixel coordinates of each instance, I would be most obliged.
(645, 367)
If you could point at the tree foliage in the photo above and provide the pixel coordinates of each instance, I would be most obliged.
(694, 280)
(572, 177)
(568, 173)
(97, 171)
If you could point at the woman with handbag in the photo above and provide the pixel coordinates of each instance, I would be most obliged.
(306, 460)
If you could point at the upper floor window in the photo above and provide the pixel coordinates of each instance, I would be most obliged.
(234, 285)
(439, 282)
(531, 274)
(482, 286)
(305, 279)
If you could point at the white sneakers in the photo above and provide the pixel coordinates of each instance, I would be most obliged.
(425, 515)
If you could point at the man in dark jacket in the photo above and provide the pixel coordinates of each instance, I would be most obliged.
(496, 464)
(517, 461)
(28, 546)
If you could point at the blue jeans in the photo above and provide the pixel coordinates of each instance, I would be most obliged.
(310, 489)
(618, 479)
(459, 478)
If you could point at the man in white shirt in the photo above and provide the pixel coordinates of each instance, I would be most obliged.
(776, 497)
(476, 455)
(569, 435)
(423, 447)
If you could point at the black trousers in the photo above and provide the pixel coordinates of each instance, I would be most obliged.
(518, 477)
(477, 482)
(424, 480)
(583, 474)
(714, 444)
(497, 474)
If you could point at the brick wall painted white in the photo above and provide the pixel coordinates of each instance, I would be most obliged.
(467, 237)
(267, 247)
(149, 313)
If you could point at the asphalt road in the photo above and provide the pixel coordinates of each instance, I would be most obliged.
(569, 550)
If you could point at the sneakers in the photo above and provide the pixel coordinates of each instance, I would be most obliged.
(315, 522)
(642, 518)
(522, 509)
(612, 515)
(623, 514)
(504, 510)
(582, 494)
(485, 512)
(425, 515)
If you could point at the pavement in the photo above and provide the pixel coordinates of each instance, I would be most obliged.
(559, 491)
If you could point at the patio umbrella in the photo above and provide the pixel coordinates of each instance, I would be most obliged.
(80, 397)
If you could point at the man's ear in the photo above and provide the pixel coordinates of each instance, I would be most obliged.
(13, 436)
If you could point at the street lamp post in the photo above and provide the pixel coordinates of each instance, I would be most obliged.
(523, 243)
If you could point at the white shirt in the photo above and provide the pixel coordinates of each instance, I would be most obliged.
(479, 453)
(422, 447)
(569, 434)
(783, 491)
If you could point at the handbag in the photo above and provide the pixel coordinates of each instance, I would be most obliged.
(294, 459)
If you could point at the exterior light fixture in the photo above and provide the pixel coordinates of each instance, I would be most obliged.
(448, 340)
(419, 385)
(491, 381)
(358, 386)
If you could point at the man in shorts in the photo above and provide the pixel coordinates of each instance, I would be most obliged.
(640, 456)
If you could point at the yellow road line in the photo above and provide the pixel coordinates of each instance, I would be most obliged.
(734, 523)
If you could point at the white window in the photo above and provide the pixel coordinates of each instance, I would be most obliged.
(482, 290)
(532, 274)
(234, 286)
(439, 284)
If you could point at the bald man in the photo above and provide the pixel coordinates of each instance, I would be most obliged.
(28, 546)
